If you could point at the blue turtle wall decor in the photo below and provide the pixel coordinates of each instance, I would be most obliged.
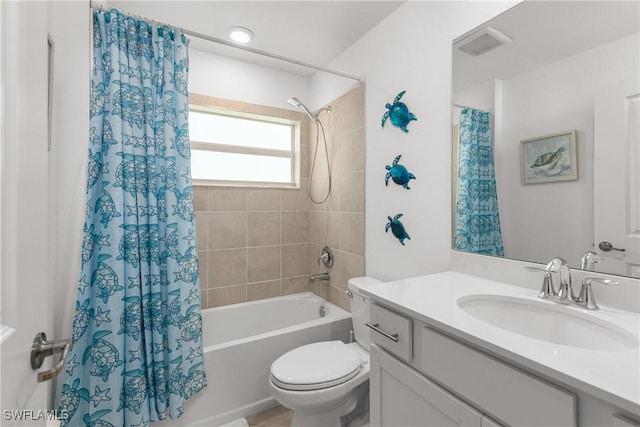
(398, 173)
(397, 229)
(399, 113)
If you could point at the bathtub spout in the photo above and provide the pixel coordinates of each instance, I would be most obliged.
(316, 277)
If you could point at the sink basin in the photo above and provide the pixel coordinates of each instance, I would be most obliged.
(548, 322)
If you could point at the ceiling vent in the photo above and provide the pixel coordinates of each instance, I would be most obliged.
(481, 41)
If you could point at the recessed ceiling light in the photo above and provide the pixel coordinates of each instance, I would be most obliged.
(240, 34)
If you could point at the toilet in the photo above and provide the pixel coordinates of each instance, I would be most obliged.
(322, 381)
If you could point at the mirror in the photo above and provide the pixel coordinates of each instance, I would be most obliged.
(547, 72)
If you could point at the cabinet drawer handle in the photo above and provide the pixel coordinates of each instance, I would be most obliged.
(375, 327)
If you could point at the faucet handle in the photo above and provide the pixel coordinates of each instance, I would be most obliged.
(586, 298)
(556, 265)
(326, 257)
(547, 290)
(607, 282)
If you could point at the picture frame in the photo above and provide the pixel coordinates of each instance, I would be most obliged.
(549, 158)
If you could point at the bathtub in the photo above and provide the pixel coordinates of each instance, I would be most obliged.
(241, 341)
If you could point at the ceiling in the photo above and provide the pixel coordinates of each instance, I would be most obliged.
(543, 32)
(308, 31)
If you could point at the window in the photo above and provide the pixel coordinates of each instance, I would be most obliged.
(237, 148)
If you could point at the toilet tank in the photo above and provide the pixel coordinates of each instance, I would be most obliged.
(360, 309)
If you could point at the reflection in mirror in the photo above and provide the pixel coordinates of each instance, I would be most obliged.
(547, 72)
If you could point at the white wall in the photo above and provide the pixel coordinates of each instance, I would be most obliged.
(551, 99)
(327, 87)
(411, 50)
(24, 168)
(481, 97)
(229, 78)
(69, 25)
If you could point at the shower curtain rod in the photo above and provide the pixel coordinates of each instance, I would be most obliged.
(466, 106)
(245, 48)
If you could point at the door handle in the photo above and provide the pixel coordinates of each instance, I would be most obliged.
(606, 247)
(41, 349)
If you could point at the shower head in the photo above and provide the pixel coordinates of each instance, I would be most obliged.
(295, 102)
(298, 104)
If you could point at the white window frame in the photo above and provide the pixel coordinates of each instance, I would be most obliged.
(293, 154)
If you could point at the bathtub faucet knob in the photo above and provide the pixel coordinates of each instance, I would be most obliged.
(326, 257)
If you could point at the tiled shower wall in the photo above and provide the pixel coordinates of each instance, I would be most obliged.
(339, 221)
(256, 243)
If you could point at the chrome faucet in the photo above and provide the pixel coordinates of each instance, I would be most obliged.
(565, 291)
(317, 277)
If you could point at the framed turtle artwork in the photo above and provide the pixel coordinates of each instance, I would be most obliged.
(549, 158)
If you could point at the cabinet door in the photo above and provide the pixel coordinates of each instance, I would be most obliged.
(621, 421)
(402, 397)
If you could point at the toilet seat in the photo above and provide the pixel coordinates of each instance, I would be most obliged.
(316, 366)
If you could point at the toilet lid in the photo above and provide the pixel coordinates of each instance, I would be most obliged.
(316, 366)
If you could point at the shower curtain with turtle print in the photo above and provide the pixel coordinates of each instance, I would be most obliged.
(137, 331)
(477, 223)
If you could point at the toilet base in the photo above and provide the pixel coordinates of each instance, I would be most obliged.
(359, 417)
(330, 418)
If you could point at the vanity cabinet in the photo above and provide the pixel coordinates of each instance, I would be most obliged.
(515, 397)
(431, 378)
(400, 396)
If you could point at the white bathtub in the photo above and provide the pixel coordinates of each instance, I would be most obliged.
(240, 343)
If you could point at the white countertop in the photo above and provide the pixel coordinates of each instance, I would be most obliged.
(612, 376)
